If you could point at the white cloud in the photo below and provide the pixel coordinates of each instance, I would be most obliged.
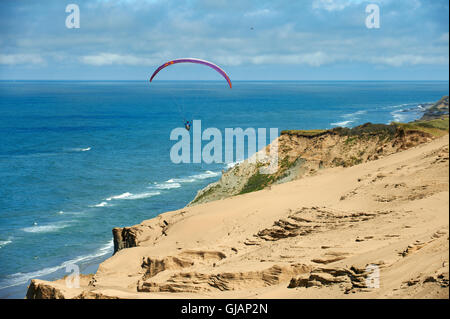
(334, 5)
(331, 5)
(319, 58)
(311, 33)
(126, 2)
(117, 59)
(314, 59)
(13, 59)
(444, 38)
(255, 13)
(409, 59)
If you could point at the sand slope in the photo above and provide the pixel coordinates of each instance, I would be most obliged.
(308, 238)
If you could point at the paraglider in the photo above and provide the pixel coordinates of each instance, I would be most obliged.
(192, 60)
(187, 123)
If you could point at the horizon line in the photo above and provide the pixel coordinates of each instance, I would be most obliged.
(146, 80)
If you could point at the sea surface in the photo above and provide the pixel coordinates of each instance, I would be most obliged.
(79, 158)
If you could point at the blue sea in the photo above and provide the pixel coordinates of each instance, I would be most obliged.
(79, 158)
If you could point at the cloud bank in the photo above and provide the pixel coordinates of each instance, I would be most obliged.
(307, 36)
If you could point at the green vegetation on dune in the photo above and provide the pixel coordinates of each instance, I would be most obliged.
(436, 127)
(257, 182)
(366, 129)
(305, 133)
(208, 192)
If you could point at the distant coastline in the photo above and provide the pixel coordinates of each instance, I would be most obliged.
(305, 152)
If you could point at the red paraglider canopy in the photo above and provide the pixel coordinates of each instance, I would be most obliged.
(191, 60)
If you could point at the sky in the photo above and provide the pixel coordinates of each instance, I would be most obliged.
(250, 40)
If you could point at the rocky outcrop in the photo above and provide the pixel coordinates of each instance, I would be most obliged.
(313, 219)
(124, 238)
(437, 110)
(58, 289)
(223, 281)
(42, 290)
(347, 279)
(150, 231)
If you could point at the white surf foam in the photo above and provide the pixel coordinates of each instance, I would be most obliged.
(181, 180)
(166, 185)
(349, 118)
(355, 114)
(129, 195)
(121, 196)
(62, 212)
(343, 123)
(45, 228)
(398, 106)
(79, 149)
(102, 204)
(22, 278)
(194, 178)
(233, 164)
(103, 250)
(399, 116)
(5, 242)
(142, 195)
(205, 175)
(409, 111)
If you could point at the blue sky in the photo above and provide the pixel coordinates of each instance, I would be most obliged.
(251, 40)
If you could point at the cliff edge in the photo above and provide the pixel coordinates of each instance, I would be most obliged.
(304, 153)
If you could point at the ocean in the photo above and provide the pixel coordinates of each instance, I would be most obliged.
(78, 158)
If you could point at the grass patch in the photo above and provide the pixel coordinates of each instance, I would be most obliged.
(206, 193)
(436, 127)
(305, 133)
(350, 140)
(257, 182)
(285, 164)
(366, 129)
(355, 161)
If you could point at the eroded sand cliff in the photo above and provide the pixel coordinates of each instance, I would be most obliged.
(308, 237)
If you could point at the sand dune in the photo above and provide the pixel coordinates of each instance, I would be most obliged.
(308, 238)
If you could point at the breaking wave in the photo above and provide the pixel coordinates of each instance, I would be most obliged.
(45, 228)
(22, 278)
(129, 195)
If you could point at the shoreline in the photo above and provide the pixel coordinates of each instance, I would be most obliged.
(154, 218)
(91, 267)
(210, 249)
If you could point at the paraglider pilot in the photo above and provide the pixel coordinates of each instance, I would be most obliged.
(187, 125)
